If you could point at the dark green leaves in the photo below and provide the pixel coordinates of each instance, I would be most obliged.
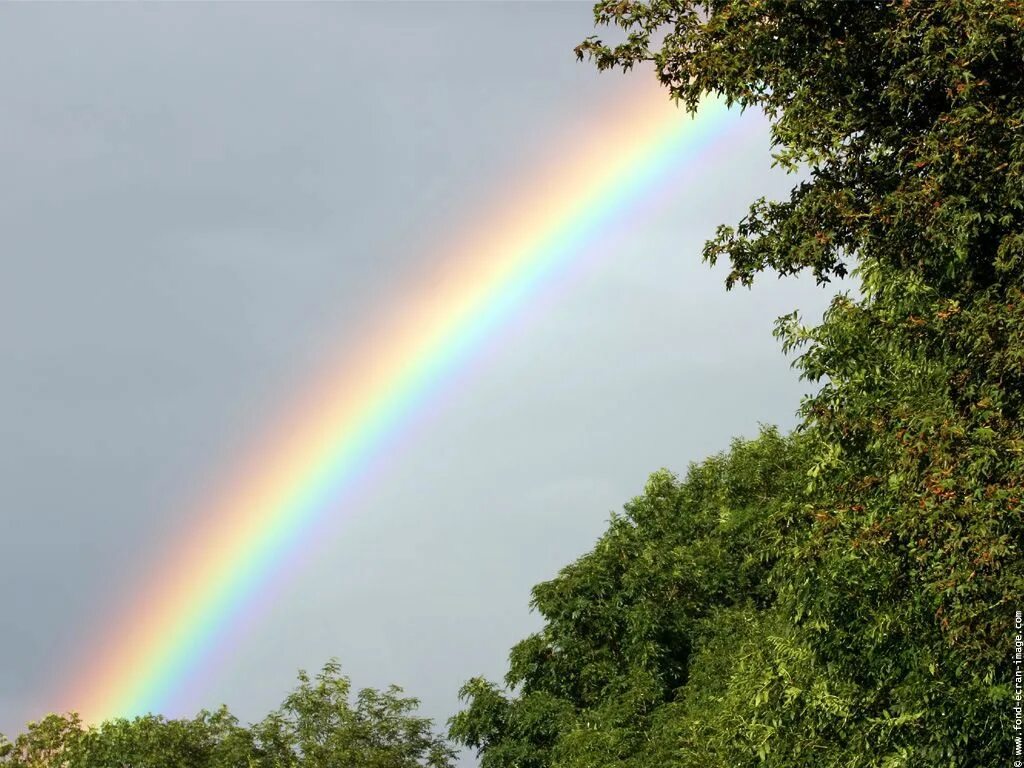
(842, 598)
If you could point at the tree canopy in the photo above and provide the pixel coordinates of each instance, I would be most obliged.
(861, 614)
(321, 724)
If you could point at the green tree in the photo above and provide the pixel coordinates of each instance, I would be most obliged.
(878, 633)
(46, 743)
(316, 727)
(210, 740)
(319, 727)
(908, 120)
(629, 625)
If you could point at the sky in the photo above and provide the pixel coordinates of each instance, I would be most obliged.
(202, 203)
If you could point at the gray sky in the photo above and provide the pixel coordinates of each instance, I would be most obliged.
(200, 203)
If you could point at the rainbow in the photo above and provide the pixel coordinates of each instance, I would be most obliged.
(295, 480)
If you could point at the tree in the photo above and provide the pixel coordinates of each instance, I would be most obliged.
(316, 727)
(880, 632)
(210, 740)
(667, 596)
(908, 117)
(43, 744)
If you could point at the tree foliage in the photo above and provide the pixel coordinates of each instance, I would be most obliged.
(320, 725)
(863, 616)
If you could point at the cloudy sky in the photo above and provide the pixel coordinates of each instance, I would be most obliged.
(201, 203)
